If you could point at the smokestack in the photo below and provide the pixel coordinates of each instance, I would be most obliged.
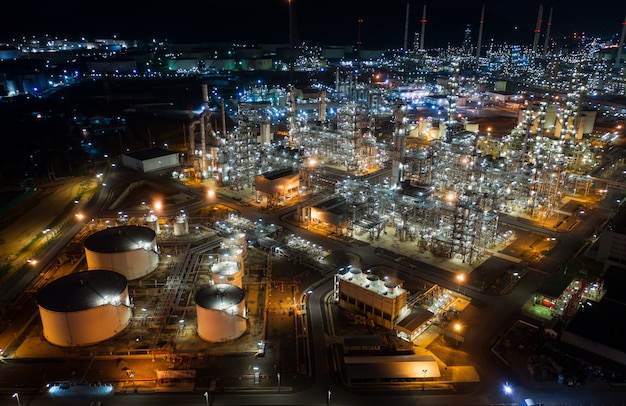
(406, 28)
(547, 40)
(480, 33)
(618, 57)
(423, 21)
(538, 28)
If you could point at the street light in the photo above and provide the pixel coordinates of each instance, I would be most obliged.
(207, 397)
(460, 277)
(328, 400)
(425, 371)
(17, 397)
(278, 376)
(457, 329)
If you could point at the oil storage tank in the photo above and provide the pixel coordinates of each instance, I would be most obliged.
(238, 238)
(84, 308)
(231, 253)
(181, 225)
(129, 250)
(221, 313)
(227, 272)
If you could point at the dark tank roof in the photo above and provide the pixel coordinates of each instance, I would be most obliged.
(220, 296)
(81, 291)
(120, 239)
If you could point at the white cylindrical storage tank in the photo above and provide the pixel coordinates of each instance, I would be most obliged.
(152, 222)
(238, 238)
(357, 273)
(231, 253)
(129, 250)
(373, 280)
(84, 308)
(221, 313)
(181, 225)
(227, 272)
(390, 287)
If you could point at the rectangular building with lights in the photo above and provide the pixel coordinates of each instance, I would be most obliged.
(381, 300)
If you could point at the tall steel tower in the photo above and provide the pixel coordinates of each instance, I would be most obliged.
(618, 57)
(546, 43)
(537, 29)
(480, 33)
(423, 21)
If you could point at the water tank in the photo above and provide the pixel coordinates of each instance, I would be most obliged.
(227, 272)
(84, 308)
(129, 250)
(221, 313)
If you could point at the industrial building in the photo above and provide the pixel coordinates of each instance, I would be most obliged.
(151, 160)
(382, 300)
(277, 185)
(84, 308)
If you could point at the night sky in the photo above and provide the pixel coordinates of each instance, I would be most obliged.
(323, 22)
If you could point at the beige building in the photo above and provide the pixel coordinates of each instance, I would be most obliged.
(383, 301)
(277, 185)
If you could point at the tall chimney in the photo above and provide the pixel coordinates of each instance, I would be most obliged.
(423, 21)
(480, 33)
(537, 28)
(546, 43)
(406, 29)
(618, 57)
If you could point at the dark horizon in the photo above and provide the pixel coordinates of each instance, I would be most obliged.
(316, 22)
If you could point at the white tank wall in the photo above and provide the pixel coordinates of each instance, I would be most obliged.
(232, 253)
(221, 325)
(85, 327)
(133, 264)
(229, 272)
(181, 226)
(237, 238)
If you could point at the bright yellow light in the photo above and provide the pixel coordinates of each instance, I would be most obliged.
(80, 216)
(211, 193)
(457, 327)
(460, 277)
(157, 205)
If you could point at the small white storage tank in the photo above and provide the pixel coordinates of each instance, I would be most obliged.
(221, 313)
(373, 280)
(238, 238)
(357, 273)
(181, 225)
(152, 222)
(129, 250)
(84, 308)
(232, 253)
(227, 272)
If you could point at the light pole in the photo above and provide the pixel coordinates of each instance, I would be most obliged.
(460, 278)
(17, 397)
(207, 397)
(457, 329)
(328, 400)
(425, 371)
(278, 376)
